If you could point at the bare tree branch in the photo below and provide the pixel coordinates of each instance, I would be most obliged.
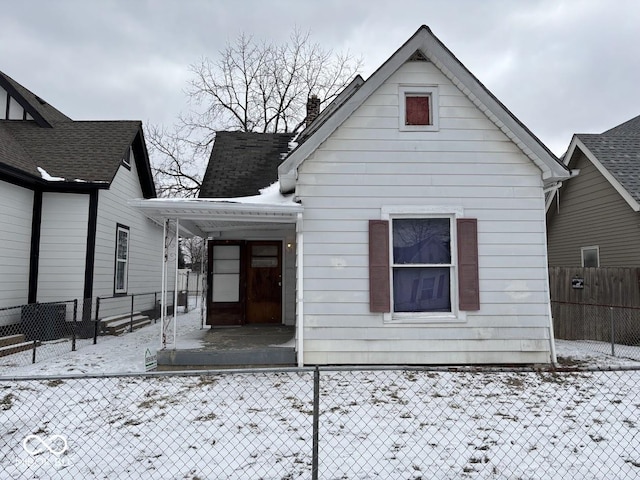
(252, 86)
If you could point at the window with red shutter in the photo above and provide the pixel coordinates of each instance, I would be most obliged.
(379, 288)
(420, 274)
(468, 282)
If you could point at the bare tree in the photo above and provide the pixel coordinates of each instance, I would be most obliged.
(252, 86)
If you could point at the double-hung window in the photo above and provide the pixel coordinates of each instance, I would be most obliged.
(122, 259)
(423, 264)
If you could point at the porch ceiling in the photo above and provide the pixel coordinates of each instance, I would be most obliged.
(200, 217)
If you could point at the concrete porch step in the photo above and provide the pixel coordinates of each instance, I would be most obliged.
(11, 339)
(123, 323)
(16, 347)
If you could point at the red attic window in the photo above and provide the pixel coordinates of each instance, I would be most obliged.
(417, 110)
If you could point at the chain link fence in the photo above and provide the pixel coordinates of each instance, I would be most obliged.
(324, 423)
(40, 331)
(29, 333)
(614, 330)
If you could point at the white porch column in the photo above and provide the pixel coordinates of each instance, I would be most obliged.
(175, 292)
(163, 288)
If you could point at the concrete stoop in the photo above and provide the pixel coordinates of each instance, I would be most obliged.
(254, 357)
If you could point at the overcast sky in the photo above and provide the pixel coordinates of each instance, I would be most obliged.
(561, 66)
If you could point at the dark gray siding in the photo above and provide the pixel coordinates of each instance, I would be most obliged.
(592, 213)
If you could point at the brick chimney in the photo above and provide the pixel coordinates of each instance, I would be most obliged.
(313, 109)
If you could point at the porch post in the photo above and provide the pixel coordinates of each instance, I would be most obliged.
(163, 289)
(175, 292)
(300, 289)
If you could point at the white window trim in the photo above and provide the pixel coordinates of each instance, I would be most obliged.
(428, 90)
(592, 247)
(118, 260)
(426, 211)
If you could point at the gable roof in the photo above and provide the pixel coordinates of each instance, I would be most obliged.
(241, 163)
(61, 153)
(43, 113)
(428, 45)
(616, 155)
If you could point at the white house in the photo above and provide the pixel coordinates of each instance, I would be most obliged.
(409, 227)
(66, 229)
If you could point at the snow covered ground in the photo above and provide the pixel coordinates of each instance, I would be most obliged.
(382, 424)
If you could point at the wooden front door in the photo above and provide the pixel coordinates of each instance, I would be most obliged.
(264, 282)
(244, 282)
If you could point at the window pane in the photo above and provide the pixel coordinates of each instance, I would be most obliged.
(264, 250)
(417, 110)
(421, 241)
(120, 276)
(122, 244)
(590, 257)
(421, 289)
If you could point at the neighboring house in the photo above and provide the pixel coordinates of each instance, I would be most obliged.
(409, 225)
(593, 219)
(67, 231)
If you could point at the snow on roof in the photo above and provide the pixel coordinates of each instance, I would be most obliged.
(49, 178)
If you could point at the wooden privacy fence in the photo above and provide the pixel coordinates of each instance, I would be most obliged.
(601, 304)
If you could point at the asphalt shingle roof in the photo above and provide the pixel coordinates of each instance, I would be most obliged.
(618, 150)
(242, 163)
(90, 150)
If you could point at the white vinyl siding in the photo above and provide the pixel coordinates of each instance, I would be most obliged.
(368, 163)
(145, 245)
(16, 208)
(63, 246)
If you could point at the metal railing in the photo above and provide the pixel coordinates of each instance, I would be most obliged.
(610, 329)
(324, 423)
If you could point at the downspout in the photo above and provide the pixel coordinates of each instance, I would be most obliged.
(552, 343)
(299, 289)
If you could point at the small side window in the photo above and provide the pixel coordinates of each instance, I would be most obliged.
(126, 160)
(590, 256)
(122, 260)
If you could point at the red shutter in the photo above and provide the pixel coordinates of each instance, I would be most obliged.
(417, 110)
(468, 283)
(379, 289)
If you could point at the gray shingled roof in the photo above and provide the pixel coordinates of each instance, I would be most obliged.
(618, 150)
(242, 163)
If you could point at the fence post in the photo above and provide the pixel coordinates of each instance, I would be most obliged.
(316, 422)
(613, 334)
(33, 355)
(131, 317)
(75, 324)
(95, 327)
(155, 307)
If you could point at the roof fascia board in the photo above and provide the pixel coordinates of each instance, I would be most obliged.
(577, 143)
(436, 52)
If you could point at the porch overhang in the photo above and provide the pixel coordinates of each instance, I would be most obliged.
(205, 217)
